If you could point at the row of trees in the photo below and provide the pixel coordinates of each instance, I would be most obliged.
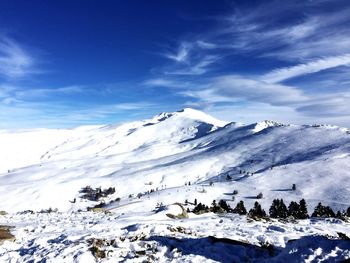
(278, 209)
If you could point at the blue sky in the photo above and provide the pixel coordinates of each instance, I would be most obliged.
(70, 63)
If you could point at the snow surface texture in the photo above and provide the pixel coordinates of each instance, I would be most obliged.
(43, 169)
(150, 237)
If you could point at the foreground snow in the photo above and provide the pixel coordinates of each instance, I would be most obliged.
(67, 237)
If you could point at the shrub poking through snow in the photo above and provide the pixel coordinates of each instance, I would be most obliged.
(48, 211)
(97, 193)
(259, 196)
(159, 207)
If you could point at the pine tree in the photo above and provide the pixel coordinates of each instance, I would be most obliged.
(224, 206)
(329, 212)
(339, 215)
(323, 211)
(257, 211)
(293, 209)
(215, 208)
(303, 213)
(278, 209)
(348, 212)
(200, 209)
(319, 210)
(240, 209)
(283, 211)
(273, 211)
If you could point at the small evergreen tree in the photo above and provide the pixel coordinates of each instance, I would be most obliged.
(283, 211)
(278, 209)
(240, 209)
(235, 192)
(200, 209)
(273, 211)
(224, 206)
(294, 187)
(303, 213)
(348, 212)
(195, 201)
(323, 211)
(339, 215)
(293, 209)
(215, 208)
(329, 212)
(257, 211)
(319, 210)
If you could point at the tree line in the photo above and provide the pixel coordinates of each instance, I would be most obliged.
(278, 209)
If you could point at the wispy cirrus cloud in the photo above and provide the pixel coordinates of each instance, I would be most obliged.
(165, 82)
(15, 61)
(190, 58)
(233, 88)
(317, 65)
(288, 31)
(47, 114)
(181, 55)
(291, 40)
(38, 93)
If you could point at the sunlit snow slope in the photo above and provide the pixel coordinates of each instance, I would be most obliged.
(47, 168)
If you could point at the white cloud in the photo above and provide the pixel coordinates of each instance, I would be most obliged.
(307, 68)
(206, 45)
(232, 88)
(330, 105)
(25, 93)
(162, 82)
(199, 67)
(14, 60)
(181, 55)
(21, 114)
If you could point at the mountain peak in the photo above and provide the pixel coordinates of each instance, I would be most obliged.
(190, 113)
(259, 126)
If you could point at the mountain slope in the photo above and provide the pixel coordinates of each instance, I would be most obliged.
(168, 151)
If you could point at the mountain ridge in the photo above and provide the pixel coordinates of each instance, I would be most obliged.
(172, 149)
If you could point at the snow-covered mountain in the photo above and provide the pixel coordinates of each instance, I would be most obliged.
(47, 168)
(168, 159)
